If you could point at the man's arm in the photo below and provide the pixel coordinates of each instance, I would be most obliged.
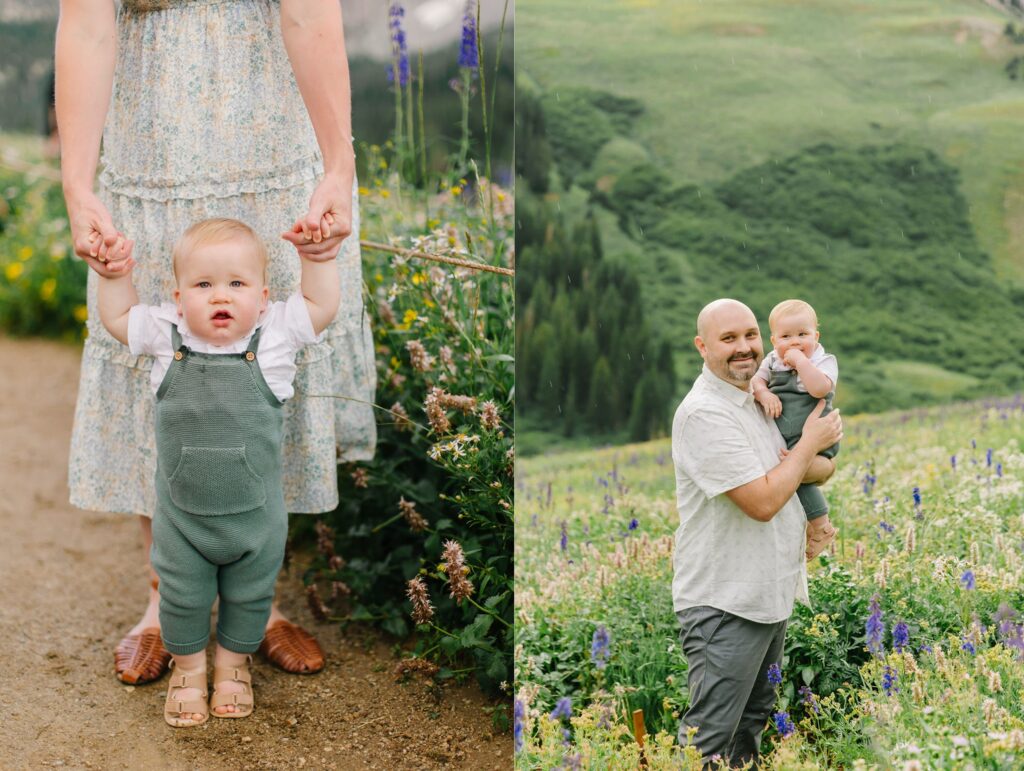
(321, 289)
(763, 498)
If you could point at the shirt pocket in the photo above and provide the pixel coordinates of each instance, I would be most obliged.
(215, 480)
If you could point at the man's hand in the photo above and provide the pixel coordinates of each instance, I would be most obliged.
(770, 403)
(319, 234)
(822, 432)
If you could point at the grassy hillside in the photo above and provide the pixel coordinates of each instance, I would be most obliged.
(727, 85)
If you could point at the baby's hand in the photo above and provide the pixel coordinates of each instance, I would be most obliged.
(118, 261)
(770, 403)
(793, 357)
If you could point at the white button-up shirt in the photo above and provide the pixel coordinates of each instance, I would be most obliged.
(721, 440)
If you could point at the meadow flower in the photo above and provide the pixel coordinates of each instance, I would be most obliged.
(402, 422)
(633, 524)
(599, 646)
(783, 724)
(316, 604)
(324, 538)
(408, 511)
(808, 699)
(468, 54)
(952, 462)
(995, 681)
(874, 628)
(917, 497)
(360, 478)
(889, 680)
(455, 566)
(988, 457)
(399, 47)
(900, 636)
(418, 356)
(386, 312)
(967, 580)
(422, 610)
(518, 724)
(435, 413)
(563, 709)
(340, 589)
(968, 646)
(774, 674)
(563, 540)
(489, 415)
(464, 404)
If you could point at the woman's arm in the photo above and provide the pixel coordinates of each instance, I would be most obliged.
(85, 56)
(315, 41)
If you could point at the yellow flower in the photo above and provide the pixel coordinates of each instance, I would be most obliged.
(24, 253)
(418, 278)
(81, 313)
(364, 190)
(395, 362)
(409, 317)
(383, 164)
(385, 194)
(378, 277)
(501, 196)
(433, 223)
(13, 270)
(47, 289)
(456, 190)
(429, 303)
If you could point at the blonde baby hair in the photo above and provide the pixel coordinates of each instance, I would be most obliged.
(214, 231)
(789, 307)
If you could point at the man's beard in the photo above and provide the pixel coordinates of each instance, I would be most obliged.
(742, 376)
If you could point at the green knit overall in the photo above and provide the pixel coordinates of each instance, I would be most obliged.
(220, 523)
(796, 406)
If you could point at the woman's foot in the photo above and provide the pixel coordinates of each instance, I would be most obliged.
(186, 703)
(232, 684)
(290, 647)
(140, 656)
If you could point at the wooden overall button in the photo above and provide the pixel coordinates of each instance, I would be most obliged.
(178, 355)
(249, 355)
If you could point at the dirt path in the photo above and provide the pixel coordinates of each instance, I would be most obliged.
(71, 582)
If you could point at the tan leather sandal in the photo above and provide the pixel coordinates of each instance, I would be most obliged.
(242, 702)
(816, 545)
(292, 648)
(174, 708)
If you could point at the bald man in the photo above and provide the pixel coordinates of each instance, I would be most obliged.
(739, 549)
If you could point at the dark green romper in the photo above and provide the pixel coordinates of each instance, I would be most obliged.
(796, 406)
(220, 523)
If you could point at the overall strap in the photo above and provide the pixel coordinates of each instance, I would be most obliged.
(254, 342)
(176, 344)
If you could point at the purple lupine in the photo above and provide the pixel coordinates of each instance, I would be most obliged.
(783, 724)
(774, 674)
(519, 723)
(399, 47)
(967, 580)
(968, 646)
(563, 541)
(886, 526)
(952, 461)
(562, 709)
(999, 469)
(917, 497)
(468, 55)
(599, 647)
(874, 627)
(634, 524)
(900, 636)
(808, 699)
(988, 457)
(889, 680)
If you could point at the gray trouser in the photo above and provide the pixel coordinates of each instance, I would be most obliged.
(730, 696)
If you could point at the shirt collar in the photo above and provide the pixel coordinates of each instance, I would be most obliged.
(729, 391)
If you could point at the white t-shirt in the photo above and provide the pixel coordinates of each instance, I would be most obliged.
(721, 440)
(826, 362)
(286, 329)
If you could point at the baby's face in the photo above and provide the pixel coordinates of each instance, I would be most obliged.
(221, 290)
(795, 330)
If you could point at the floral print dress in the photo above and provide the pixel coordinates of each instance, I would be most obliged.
(206, 120)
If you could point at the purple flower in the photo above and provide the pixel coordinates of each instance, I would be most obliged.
(399, 48)
(634, 524)
(564, 540)
(808, 699)
(783, 724)
(562, 709)
(886, 526)
(917, 496)
(519, 722)
(599, 646)
(889, 680)
(988, 457)
(967, 580)
(900, 636)
(874, 627)
(974, 444)
(952, 461)
(999, 469)
(468, 55)
(968, 646)
(774, 674)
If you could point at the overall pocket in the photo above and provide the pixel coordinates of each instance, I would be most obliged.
(215, 480)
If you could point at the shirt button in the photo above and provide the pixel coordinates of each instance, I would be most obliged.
(178, 355)
(249, 355)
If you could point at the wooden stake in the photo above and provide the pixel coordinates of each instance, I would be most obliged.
(639, 733)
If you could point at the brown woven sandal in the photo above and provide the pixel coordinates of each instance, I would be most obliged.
(175, 708)
(292, 648)
(141, 657)
(242, 702)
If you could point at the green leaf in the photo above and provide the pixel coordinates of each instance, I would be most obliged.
(807, 675)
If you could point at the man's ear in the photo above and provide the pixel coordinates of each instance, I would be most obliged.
(701, 348)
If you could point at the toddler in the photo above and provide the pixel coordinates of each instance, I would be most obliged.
(224, 361)
(790, 382)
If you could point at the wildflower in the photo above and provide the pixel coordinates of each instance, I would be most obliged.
(967, 580)
(874, 628)
(900, 636)
(399, 48)
(599, 645)
(408, 510)
(889, 680)
(455, 566)
(435, 413)
(995, 681)
(952, 461)
(774, 674)
(464, 404)
(968, 646)
(25, 253)
(14, 270)
(563, 541)
(913, 765)
(563, 709)
(886, 527)
(387, 313)
(917, 497)
(999, 469)
(408, 318)
(335, 562)
(316, 605)
(489, 416)
(633, 524)
(402, 422)
(418, 356)
(340, 589)
(324, 539)
(988, 457)
(808, 699)
(468, 54)
(518, 722)
(360, 478)
(49, 286)
(911, 539)
(783, 724)
(446, 358)
(416, 591)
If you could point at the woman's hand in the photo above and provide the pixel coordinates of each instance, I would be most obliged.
(105, 249)
(319, 234)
